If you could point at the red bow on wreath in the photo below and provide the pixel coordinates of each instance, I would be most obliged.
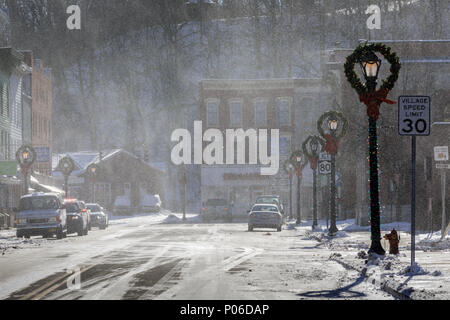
(299, 173)
(313, 162)
(332, 144)
(373, 101)
(24, 168)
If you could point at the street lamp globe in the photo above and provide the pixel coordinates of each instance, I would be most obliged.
(370, 65)
(333, 123)
(314, 145)
(26, 155)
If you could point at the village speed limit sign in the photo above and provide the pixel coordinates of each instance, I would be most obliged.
(414, 115)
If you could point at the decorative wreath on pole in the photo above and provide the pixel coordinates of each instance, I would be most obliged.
(332, 142)
(298, 166)
(372, 100)
(286, 168)
(313, 158)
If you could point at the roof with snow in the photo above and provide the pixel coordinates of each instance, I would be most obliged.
(84, 159)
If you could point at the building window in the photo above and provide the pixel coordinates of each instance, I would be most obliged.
(127, 188)
(284, 111)
(4, 99)
(212, 113)
(260, 113)
(103, 193)
(285, 146)
(236, 113)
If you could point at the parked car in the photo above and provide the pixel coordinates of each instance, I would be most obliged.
(84, 207)
(41, 214)
(215, 209)
(150, 203)
(99, 218)
(77, 218)
(265, 216)
(272, 199)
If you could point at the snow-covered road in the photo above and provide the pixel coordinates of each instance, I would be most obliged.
(156, 257)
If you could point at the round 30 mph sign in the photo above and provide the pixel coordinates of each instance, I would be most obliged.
(414, 115)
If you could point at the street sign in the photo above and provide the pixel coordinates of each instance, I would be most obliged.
(441, 153)
(43, 154)
(325, 167)
(8, 168)
(442, 166)
(324, 156)
(414, 115)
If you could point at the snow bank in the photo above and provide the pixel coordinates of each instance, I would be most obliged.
(414, 270)
(9, 242)
(350, 226)
(171, 219)
(178, 219)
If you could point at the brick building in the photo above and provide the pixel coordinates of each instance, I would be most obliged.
(41, 93)
(254, 104)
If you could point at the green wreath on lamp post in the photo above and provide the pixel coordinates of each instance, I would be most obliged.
(365, 55)
(358, 55)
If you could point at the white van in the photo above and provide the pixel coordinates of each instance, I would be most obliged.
(41, 214)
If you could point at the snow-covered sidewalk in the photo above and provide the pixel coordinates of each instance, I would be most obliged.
(428, 279)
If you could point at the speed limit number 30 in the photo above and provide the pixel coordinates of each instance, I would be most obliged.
(414, 114)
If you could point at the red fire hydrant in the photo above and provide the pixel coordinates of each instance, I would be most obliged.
(394, 240)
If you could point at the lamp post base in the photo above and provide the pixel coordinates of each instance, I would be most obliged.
(377, 248)
(332, 231)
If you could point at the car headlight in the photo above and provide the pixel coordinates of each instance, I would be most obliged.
(21, 221)
(54, 219)
(75, 218)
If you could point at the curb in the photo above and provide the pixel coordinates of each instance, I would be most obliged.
(382, 285)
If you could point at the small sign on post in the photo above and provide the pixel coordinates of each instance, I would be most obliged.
(324, 163)
(43, 154)
(441, 153)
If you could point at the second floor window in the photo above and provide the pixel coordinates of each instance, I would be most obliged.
(236, 113)
(285, 146)
(212, 113)
(284, 111)
(4, 98)
(260, 113)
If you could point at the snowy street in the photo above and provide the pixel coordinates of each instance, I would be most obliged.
(156, 257)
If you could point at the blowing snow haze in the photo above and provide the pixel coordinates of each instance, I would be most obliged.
(177, 130)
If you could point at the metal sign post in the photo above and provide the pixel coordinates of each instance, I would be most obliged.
(441, 154)
(414, 114)
(443, 181)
